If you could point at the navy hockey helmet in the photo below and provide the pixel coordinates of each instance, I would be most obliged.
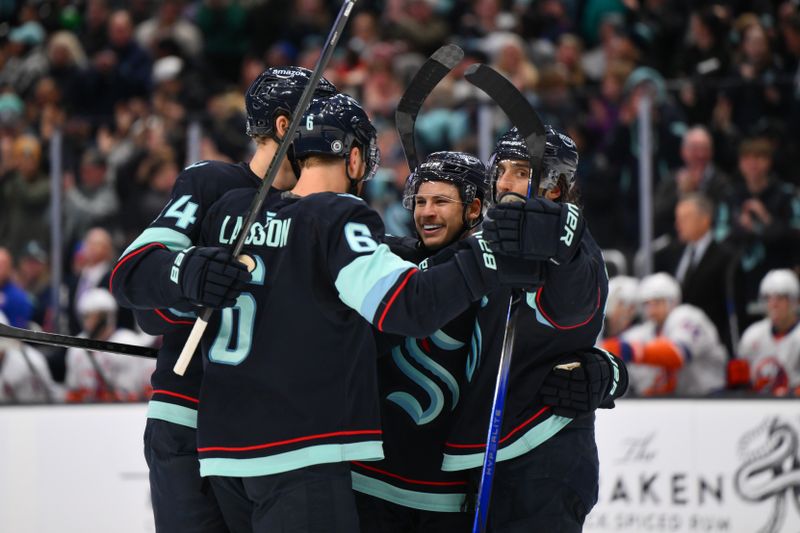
(463, 170)
(560, 156)
(332, 126)
(275, 92)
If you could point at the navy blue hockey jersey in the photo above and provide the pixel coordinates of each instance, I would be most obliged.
(290, 374)
(420, 383)
(142, 272)
(564, 315)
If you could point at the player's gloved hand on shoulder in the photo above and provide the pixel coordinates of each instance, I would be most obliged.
(209, 277)
(583, 381)
(484, 270)
(534, 229)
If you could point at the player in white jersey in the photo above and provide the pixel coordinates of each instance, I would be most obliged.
(771, 346)
(24, 374)
(677, 350)
(622, 305)
(101, 376)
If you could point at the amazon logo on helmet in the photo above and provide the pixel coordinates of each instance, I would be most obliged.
(275, 92)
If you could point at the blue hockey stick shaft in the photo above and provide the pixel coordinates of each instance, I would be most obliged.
(496, 425)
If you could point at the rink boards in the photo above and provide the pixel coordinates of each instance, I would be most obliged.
(666, 465)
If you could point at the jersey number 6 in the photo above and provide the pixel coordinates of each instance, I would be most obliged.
(232, 347)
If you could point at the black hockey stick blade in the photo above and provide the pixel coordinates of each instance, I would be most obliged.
(201, 323)
(427, 77)
(519, 111)
(66, 341)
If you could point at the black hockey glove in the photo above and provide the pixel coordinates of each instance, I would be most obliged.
(484, 270)
(209, 277)
(537, 229)
(582, 382)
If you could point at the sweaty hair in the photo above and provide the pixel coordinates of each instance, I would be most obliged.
(569, 194)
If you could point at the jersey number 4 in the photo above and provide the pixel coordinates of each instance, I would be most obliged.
(184, 211)
(232, 344)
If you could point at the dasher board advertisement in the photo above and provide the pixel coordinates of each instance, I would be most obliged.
(726, 465)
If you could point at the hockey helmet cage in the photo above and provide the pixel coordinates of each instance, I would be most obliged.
(333, 126)
(465, 171)
(660, 286)
(780, 282)
(275, 92)
(560, 156)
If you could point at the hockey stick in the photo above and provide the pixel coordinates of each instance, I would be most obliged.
(518, 110)
(67, 341)
(283, 146)
(427, 77)
(530, 127)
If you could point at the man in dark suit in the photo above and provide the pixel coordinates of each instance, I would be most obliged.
(700, 264)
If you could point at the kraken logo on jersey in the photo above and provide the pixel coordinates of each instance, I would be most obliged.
(436, 397)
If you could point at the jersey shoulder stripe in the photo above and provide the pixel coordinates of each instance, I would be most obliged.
(364, 283)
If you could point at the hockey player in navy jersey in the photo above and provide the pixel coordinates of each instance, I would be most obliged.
(547, 471)
(420, 380)
(289, 393)
(165, 293)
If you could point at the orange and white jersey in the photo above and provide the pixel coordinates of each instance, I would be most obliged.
(128, 377)
(685, 357)
(774, 360)
(25, 376)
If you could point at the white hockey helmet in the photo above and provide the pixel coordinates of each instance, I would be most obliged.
(623, 290)
(781, 282)
(96, 300)
(660, 286)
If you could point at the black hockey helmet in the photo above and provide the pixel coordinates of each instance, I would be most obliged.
(560, 156)
(332, 126)
(463, 170)
(276, 92)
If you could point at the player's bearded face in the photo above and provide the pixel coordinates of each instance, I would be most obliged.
(438, 214)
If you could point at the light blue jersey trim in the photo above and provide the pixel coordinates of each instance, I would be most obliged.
(173, 240)
(365, 281)
(530, 440)
(182, 314)
(169, 412)
(294, 460)
(425, 501)
(613, 360)
(530, 299)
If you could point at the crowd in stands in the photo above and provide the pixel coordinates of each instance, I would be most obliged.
(127, 87)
